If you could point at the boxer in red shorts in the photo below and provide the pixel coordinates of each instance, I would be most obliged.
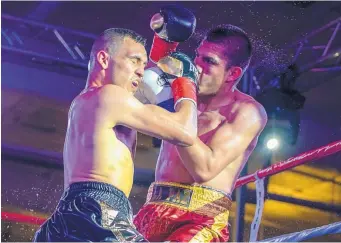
(190, 200)
(184, 213)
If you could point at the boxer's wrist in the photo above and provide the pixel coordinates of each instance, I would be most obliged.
(182, 101)
(161, 48)
(184, 89)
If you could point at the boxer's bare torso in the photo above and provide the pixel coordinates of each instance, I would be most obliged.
(100, 144)
(171, 169)
(94, 150)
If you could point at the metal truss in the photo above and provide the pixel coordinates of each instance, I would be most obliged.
(330, 58)
(308, 53)
(39, 40)
(70, 47)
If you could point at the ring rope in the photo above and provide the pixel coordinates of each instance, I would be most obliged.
(291, 162)
(334, 228)
(303, 158)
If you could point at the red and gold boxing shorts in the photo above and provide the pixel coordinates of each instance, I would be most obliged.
(184, 213)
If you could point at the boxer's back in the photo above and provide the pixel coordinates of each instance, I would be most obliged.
(93, 149)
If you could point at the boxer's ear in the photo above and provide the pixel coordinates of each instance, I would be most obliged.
(234, 73)
(103, 59)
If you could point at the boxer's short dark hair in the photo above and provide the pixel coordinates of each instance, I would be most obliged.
(239, 55)
(111, 38)
(122, 33)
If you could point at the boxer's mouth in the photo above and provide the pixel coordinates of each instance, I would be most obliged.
(135, 83)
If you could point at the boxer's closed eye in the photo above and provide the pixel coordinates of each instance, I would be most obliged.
(210, 60)
(135, 60)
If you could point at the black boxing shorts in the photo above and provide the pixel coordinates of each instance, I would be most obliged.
(90, 211)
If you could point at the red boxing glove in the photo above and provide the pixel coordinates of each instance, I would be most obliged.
(184, 88)
(161, 48)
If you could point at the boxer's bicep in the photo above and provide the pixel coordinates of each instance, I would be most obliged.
(124, 109)
(158, 122)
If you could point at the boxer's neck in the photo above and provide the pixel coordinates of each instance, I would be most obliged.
(95, 79)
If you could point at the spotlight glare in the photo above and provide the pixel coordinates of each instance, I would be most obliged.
(272, 143)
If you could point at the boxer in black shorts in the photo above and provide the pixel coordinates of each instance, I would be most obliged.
(100, 141)
(91, 211)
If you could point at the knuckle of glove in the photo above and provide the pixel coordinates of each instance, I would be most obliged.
(180, 23)
(189, 69)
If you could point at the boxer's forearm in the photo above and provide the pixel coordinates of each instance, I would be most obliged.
(204, 162)
(170, 126)
(187, 113)
(197, 159)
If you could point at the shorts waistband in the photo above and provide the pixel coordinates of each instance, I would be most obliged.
(102, 192)
(198, 198)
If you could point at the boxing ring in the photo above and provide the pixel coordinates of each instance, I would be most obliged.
(258, 178)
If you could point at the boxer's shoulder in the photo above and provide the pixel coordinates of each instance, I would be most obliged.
(250, 108)
(246, 105)
(106, 101)
(245, 101)
(108, 90)
(96, 95)
(111, 94)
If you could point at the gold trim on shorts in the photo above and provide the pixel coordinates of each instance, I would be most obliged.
(194, 198)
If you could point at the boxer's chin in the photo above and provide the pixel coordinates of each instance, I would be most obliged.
(201, 89)
(205, 92)
(201, 92)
